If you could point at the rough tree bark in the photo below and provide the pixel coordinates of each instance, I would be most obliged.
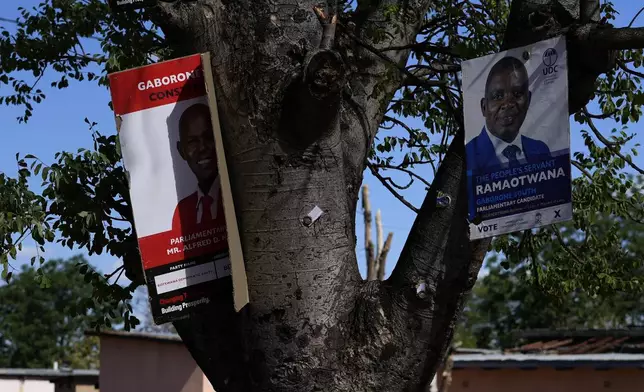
(301, 97)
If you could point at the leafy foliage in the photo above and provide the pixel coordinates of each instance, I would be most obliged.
(52, 37)
(81, 193)
(505, 301)
(40, 325)
(84, 202)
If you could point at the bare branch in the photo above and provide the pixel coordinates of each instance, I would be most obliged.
(404, 170)
(391, 189)
(628, 70)
(108, 276)
(398, 122)
(366, 206)
(603, 115)
(379, 236)
(329, 23)
(382, 259)
(635, 17)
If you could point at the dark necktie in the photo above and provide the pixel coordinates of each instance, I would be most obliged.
(206, 204)
(511, 153)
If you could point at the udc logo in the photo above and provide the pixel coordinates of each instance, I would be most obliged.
(550, 58)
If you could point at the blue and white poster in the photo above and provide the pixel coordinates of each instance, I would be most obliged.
(517, 139)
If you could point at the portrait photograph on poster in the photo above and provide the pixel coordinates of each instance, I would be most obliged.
(517, 139)
(167, 136)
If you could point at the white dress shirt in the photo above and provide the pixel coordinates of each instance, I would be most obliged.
(500, 145)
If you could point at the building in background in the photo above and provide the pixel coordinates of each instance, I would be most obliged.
(547, 360)
(555, 361)
(142, 362)
(48, 380)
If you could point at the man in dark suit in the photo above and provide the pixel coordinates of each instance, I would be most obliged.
(504, 106)
(196, 145)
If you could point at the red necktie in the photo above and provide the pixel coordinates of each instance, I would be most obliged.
(206, 204)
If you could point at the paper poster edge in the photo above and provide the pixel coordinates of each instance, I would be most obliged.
(238, 269)
(151, 64)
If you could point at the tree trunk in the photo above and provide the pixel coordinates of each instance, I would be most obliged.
(300, 98)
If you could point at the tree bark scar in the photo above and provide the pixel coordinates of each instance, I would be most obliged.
(312, 101)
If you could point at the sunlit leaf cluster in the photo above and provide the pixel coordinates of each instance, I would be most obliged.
(82, 202)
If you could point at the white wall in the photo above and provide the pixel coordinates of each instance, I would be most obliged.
(27, 386)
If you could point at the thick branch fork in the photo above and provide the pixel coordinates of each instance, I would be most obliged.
(329, 23)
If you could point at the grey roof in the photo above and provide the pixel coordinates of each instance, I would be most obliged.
(465, 350)
(47, 374)
(165, 337)
(587, 333)
(495, 361)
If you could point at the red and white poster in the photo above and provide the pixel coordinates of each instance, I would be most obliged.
(170, 154)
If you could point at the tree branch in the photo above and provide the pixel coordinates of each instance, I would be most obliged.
(368, 244)
(328, 22)
(400, 123)
(603, 115)
(407, 171)
(582, 169)
(108, 276)
(382, 259)
(610, 38)
(589, 11)
(379, 235)
(564, 245)
(635, 17)
(437, 231)
(628, 70)
(391, 189)
(611, 146)
(425, 47)
(388, 60)
(434, 67)
(438, 265)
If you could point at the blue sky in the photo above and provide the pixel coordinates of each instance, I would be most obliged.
(58, 125)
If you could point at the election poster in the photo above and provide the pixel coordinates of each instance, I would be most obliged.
(517, 139)
(179, 187)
